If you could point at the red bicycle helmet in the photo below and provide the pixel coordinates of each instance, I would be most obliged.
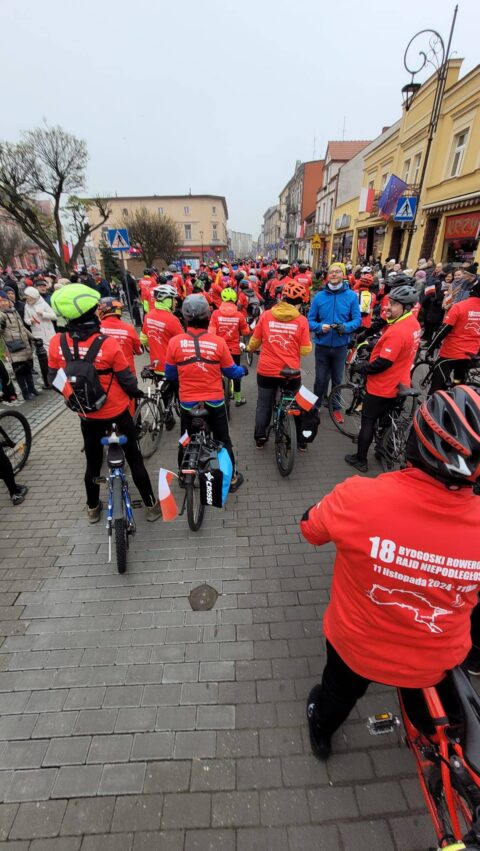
(447, 427)
(293, 291)
(366, 279)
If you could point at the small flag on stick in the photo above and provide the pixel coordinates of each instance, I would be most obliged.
(305, 399)
(165, 496)
(185, 439)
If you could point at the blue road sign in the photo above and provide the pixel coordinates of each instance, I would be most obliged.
(406, 208)
(118, 239)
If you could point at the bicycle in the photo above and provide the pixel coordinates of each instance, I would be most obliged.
(422, 373)
(152, 414)
(120, 519)
(285, 409)
(15, 438)
(201, 450)
(390, 431)
(227, 393)
(448, 761)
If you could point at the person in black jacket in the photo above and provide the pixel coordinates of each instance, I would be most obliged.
(432, 308)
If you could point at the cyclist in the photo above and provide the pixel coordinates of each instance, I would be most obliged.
(389, 366)
(78, 304)
(366, 298)
(283, 335)
(304, 277)
(387, 621)
(112, 324)
(227, 322)
(145, 286)
(460, 340)
(197, 359)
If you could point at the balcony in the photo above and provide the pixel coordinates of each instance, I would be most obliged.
(310, 230)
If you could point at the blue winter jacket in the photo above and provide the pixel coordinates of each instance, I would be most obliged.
(334, 308)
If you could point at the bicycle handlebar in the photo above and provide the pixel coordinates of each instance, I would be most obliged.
(114, 438)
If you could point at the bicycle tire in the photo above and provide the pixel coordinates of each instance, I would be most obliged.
(226, 395)
(285, 444)
(421, 377)
(195, 509)
(350, 406)
(149, 419)
(18, 432)
(392, 447)
(120, 532)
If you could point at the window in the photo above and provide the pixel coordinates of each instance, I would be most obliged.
(458, 152)
(384, 179)
(371, 184)
(125, 213)
(416, 168)
(188, 231)
(160, 210)
(214, 211)
(214, 231)
(186, 210)
(406, 170)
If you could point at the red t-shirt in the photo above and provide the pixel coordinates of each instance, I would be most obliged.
(159, 326)
(178, 282)
(146, 286)
(199, 381)
(404, 583)
(126, 337)
(464, 340)
(215, 293)
(281, 342)
(110, 357)
(398, 343)
(227, 322)
(305, 279)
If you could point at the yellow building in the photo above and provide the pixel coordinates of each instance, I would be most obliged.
(448, 221)
(201, 221)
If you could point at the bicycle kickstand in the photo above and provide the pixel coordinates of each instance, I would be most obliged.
(184, 504)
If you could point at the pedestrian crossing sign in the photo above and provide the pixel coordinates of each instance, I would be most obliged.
(406, 208)
(118, 239)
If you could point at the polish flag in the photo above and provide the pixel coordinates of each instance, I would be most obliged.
(165, 496)
(305, 399)
(367, 199)
(61, 383)
(185, 439)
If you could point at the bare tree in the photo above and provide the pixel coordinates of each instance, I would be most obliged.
(12, 243)
(48, 161)
(156, 236)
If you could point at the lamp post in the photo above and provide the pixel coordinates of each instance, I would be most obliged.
(437, 56)
(201, 238)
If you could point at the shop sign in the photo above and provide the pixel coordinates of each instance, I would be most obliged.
(466, 226)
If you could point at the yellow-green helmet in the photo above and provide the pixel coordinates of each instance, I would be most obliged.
(73, 300)
(229, 294)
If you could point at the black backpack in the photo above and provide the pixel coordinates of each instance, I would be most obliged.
(88, 394)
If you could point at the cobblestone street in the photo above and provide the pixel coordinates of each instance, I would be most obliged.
(130, 722)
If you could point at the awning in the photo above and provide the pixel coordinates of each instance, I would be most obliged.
(455, 203)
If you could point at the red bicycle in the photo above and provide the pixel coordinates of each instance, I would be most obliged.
(448, 760)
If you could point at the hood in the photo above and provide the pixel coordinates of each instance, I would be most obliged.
(285, 312)
(83, 330)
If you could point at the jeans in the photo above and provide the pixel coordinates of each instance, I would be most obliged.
(267, 390)
(329, 364)
(93, 430)
(218, 422)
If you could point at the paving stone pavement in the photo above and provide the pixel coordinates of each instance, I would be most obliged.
(130, 722)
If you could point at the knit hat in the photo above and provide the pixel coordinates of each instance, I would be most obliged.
(3, 294)
(31, 292)
(420, 275)
(338, 265)
(422, 263)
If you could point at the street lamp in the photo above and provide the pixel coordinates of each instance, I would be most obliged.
(433, 54)
(201, 238)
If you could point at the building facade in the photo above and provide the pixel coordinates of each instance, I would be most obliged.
(297, 202)
(274, 244)
(239, 244)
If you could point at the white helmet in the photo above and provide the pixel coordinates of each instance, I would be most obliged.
(164, 291)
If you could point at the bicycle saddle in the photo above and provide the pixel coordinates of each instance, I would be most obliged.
(288, 373)
(403, 392)
(470, 704)
(115, 455)
(198, 411)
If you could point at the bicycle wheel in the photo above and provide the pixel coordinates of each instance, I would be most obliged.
(421, 377)
(226, 395)
(120, 532)
(148, 420)
(15, 438)
(348, 398)
(285, 444)
(392, 446)
(195, 509)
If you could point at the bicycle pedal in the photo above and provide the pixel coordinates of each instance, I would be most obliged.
(384, 722)
(136, 503)
(100, 480)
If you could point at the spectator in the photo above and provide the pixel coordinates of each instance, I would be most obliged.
(18, 341)
(16, 302)
(420, 282)
(7, 394)
(466, 278)
(38, 317)
(432, 306)
(42, 286)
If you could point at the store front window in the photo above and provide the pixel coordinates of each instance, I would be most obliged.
(462, 235)
(342, 246)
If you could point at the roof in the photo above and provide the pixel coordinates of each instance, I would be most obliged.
(220, 198)
(346, 150)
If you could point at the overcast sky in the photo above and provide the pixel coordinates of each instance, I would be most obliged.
(212, 96)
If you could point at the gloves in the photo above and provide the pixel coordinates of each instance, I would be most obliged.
(138, 394)
(340, 329)
(242, 347)
(245, 370)
(360, 368)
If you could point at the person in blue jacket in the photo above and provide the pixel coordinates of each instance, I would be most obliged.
(333, 316)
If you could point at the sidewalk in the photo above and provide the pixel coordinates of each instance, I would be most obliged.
(130, 722)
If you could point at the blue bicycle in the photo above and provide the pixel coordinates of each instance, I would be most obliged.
(120, 519)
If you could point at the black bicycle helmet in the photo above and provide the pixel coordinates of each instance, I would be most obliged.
(239, 276)
(404, 294)
(445, 437)
(195, 307)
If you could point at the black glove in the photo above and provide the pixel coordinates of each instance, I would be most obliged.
(245, 370)
(340, 329)
(360, 368)
(138, 394)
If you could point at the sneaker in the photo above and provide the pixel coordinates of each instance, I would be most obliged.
(18, 497)
(338, 417)
(94, 514)
(357, 462)
(240, 402)
(236, 482)
(153, 512)
(320, 743)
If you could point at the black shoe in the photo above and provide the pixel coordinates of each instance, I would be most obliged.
(321, 743)
(302, 447)
(35, 392)
(260, 442)
(237, 481)
(357, 462)
(18, 497)
(169, 421)
(30, 397)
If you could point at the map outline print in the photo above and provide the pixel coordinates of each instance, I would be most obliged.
(425, 619)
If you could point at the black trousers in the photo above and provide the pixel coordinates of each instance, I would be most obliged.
(24, 376)
(6, 473)
(341, 688)
(42, 358)
(443, 370)
(374, 407)
(218, 422)
(237, 381)
(93, 431)
(267, 391)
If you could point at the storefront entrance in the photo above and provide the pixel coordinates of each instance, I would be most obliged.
(462, 235)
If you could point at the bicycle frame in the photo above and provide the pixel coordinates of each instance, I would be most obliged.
(124, 510)
(285, 402)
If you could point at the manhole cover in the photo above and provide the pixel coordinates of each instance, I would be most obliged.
(203, 598)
